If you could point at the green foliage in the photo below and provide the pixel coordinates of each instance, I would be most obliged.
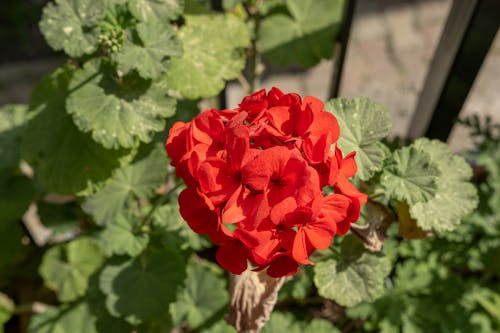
(203, 297)
(354, 277)
(132, 182)
(65, 159)
(142, 288)
(363, 124)
(87, 158)
(66, 268)
(117, 110)
(201, 71)
(68, 25)
(303, 33)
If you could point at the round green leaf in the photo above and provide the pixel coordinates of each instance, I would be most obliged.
(137, 181)
(410, 176)
(205, 295)
(64, 158)
(64, 319)
(143, 288)
(152, 10)
(67, 25)
(157, 43)
(201, 71)
(455, 197)
(356, 277)
(119, 237)
(305, 35)
(66, 268)
(363, 124)
(117, 111)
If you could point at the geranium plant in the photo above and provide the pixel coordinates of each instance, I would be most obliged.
(96, 221)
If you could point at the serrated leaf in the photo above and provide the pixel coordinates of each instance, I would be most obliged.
(363, 124)
(67, 25)
(158, 42)
(16, 193)
(12, 119)
(120, 238)
(66, 268)
(205, 294)
(6, 310)
(137, 180)
(356, 277)
(67, 318)
(118, 111)
(455, 196)
(305, 35)
(155, 276)
(410, 176)
(64, 158)
(201, 71)
(160, 10)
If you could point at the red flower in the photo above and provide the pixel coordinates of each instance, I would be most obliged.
(262, 167)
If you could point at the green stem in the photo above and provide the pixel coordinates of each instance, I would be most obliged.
(254, 66)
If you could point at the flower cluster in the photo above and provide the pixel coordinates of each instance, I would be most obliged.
(255, 177)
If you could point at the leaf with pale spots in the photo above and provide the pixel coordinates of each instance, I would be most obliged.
(118, 111)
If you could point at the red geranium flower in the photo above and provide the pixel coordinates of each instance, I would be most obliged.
(262, 167)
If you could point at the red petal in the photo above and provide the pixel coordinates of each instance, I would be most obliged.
(282, 266)
(233, 256)
(302, 248)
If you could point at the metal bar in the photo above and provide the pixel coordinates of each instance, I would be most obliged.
(341, 50)
(469, 32)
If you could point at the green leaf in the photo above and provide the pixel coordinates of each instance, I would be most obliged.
(168, 218)
(281, 322)
(320, 326)
(135, 181)
(363, 124)
(356, 277)
(455, 196)
(12, 247)
(157, 43)
(67, 25)
(12, 119)
(305, 35)
(119, 237)
(6, 310)
(201, 71)
(16, 193)
(144, 287)
(67, 318)
(204, 296)
(64, 158)
(66, 268)
(220, 327)
(410, 176)
(151, 10)
(117, 111)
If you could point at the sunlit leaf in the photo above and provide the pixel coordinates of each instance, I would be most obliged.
(161, 10)
(68, 25)
(363, 124)
(210, 56)
(355, 277)
(157, 43)
(66, 268)
(304, 35)
(118, 111)
(64, 158)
